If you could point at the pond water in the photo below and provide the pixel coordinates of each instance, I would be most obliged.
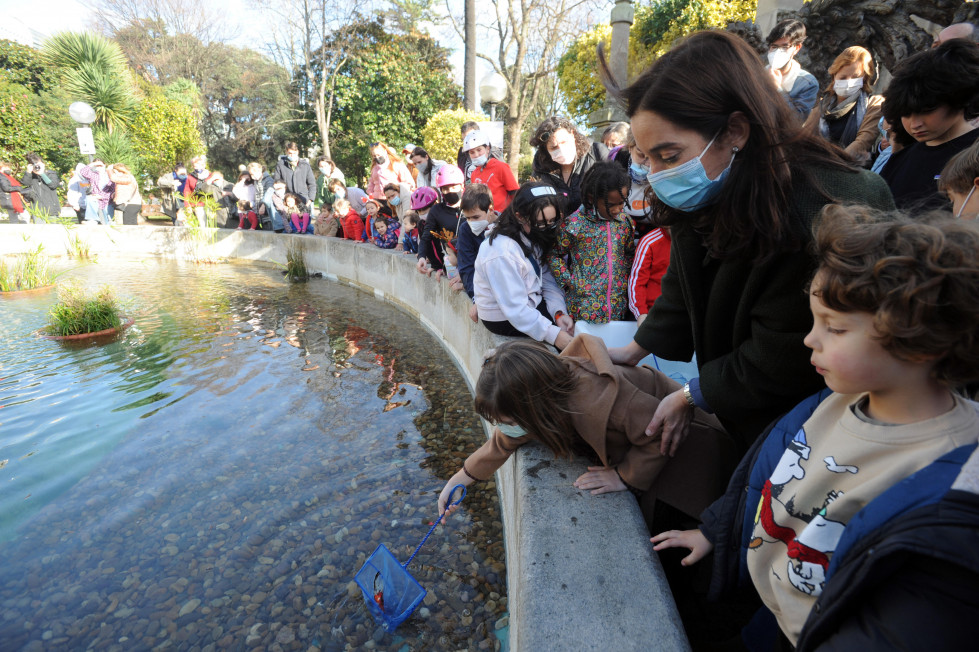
(215, 477)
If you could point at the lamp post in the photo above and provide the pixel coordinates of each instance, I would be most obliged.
(84, 115)
(493, 89)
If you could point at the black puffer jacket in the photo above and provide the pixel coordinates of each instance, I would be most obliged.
(45, 190)
(439, 217)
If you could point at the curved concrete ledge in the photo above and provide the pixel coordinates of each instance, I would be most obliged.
(581, 573)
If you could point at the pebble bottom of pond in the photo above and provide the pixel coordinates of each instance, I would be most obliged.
(213, 478)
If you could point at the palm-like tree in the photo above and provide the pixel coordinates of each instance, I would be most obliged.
(94, 71)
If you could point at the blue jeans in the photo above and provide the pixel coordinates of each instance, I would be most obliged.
(94, 212)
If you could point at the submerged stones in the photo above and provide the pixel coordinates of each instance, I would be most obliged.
(237, 516)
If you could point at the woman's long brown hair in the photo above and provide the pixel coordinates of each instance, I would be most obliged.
(523, 382)
(697, 85)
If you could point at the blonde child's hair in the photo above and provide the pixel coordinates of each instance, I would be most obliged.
(341, 206)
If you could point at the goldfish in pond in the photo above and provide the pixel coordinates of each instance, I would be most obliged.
(379, 599)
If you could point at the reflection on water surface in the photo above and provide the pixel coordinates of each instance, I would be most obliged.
(215, 477)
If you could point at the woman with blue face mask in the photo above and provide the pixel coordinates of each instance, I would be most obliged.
(739, 183)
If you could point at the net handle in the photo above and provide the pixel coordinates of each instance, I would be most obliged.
(437, 521)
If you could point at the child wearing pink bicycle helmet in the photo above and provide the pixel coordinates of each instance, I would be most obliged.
(442, 216)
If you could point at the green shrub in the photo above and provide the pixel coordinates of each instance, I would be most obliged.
(440, 135)
(78, 311)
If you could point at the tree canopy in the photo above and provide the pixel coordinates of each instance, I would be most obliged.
(657, 25)
(386, 91)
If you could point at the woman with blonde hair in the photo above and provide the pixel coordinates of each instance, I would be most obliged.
(848, 112)
(125, 197)
(387, 168)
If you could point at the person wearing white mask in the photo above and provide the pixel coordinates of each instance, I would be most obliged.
(563, 156)
(848, 112)
(329, 173)
(797, 86)
(493, 173)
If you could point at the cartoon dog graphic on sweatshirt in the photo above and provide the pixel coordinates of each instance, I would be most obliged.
(808, 552)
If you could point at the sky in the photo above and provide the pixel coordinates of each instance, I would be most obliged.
(52, 16)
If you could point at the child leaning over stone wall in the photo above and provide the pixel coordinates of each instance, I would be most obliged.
(855, 516)
(579, 401)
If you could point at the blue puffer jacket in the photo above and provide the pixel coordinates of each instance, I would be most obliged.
(904, 575)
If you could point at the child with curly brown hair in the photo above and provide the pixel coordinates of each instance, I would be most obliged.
(844, 516)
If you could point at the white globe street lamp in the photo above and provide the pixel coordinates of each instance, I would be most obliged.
(493, 89)
(82, 113)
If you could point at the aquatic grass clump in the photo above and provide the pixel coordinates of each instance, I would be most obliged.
(79, 311)
(296, 269)
(30, 272)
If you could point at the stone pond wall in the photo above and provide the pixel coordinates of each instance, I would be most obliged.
(581, 573)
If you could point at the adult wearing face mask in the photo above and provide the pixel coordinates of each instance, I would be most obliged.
(740, 183)
(297, 174)
(100, 191)
(199, 169)
(398, 198)
(329, 173)
(797, 86)
(44, 184)
(427, 167)
(386, 169)
(444, 215)
(563, 156)
(848, 112)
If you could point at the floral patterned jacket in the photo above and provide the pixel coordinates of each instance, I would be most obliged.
(591, 262)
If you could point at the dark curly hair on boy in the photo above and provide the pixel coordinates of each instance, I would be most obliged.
(601, 179)
(919, 278)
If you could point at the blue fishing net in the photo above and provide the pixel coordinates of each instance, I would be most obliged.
(389, 590)
(391, 593)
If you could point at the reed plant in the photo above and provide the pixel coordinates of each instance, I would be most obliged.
(29, 272)
(79, 311)
(296, 269)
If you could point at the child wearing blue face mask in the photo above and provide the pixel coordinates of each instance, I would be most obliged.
(579, 401)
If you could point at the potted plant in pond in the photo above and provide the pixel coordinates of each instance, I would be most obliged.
(28, 274)
(80, 314)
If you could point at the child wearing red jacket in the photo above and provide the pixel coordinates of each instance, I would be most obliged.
(646, 278)
(353, 225)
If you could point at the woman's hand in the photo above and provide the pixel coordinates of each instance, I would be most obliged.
(629, 354)
(692, 540)
(566, 324)
(422, 267)
(600, 480)
(455, 283)
(672, 416)
(473, 314)
(445, 496)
